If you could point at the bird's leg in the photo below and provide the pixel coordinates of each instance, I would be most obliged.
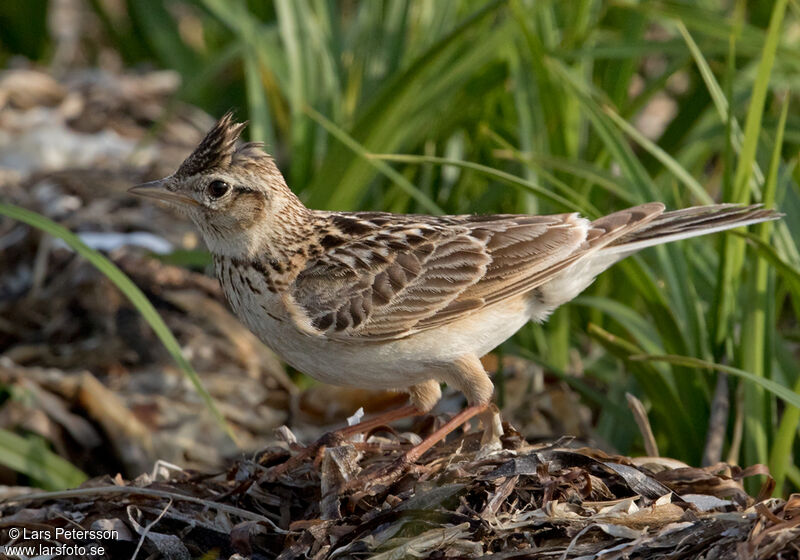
(371, 424)
(459, 419)
(467, 375)
(331, 438)
(423, 397)
(388, 475)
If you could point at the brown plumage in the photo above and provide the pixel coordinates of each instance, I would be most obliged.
(398, 301)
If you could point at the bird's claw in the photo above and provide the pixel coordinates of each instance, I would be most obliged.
(329, 439)
(383, 477)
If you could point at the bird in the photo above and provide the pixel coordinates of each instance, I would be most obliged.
(399, 301)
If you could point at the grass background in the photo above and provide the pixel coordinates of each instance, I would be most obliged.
(537, 106)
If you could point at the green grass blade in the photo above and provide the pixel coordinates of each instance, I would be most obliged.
(260, 121)
(131, 291)
(755, 112)
(727, 280)
(784, 393)
(755, 356)
(788, 271)
(780, 454)
(612, 139)
(401, 108)
(577, 169)
(670, 409)
(718, 96)
(714, 24)
(579, 199)
(753, 350)
(528, 186)
(638, 326)
(31, 457)
(382, 167)
(668, 161)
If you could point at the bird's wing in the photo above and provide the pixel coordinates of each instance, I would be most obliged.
(398, 278)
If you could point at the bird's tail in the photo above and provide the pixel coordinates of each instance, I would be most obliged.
(689, 222)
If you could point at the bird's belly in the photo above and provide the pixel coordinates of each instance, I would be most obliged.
(394, 364)
(391, 364)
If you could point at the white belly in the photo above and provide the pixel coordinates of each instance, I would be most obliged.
(393, 364)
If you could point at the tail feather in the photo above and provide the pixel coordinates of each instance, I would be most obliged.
(618, 235)
(689, 222)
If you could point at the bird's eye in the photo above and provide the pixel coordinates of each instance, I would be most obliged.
(217, 189)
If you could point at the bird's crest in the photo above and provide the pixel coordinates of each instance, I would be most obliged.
(216, 150)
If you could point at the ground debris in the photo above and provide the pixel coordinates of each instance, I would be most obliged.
(524, 501)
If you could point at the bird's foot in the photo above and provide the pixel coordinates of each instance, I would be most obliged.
(335, 438)
(374, 481)
(370, 482)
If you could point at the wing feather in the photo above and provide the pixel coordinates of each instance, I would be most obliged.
(396, 275)
(410, 273)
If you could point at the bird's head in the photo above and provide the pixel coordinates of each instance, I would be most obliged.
(235, 195)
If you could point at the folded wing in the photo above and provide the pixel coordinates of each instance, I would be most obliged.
(396, 280)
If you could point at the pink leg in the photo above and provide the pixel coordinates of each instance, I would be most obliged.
(389, 474)
(469, 377)
(380, 420)
(330, 438)
(459, 419)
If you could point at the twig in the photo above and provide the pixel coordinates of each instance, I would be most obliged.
(640, 416)
(718, 422)
(101, 490)
(146, 530)
(738, 427)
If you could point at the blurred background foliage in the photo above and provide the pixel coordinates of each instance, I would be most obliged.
(466, 106)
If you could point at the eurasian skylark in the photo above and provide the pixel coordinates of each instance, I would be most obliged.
(395, 301)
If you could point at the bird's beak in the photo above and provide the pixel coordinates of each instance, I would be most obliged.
(157, 190)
